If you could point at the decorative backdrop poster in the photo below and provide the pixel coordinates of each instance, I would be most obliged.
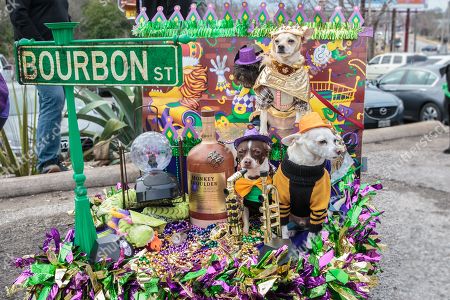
(337, 75)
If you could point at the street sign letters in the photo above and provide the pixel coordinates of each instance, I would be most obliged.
(112, 64)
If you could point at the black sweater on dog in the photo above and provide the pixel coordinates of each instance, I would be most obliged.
(303, 191)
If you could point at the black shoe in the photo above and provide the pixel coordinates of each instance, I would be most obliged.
(447, 151)
(53, 168)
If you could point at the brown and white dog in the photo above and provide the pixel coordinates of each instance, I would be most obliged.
(282, 88)
(252, 154)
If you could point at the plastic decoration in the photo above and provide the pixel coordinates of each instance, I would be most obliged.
(318, 16)
(142, 18)
(263, 16)
(227, 13)
(356, 18)
(159, 16)
(193, 14)
(258, 26)
(176, 15)
(210, 14)
(300, 16)
(169, 130)
(280, 16)
(337, 17)
(245, 15)
(189, 131)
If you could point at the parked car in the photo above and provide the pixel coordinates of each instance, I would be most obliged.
(430, 48)
(381, 109)
(384, 63)
(6, 69)
(439, 60)
(420, 89)
(12, 124)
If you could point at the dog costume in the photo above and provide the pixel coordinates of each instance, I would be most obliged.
(251, 189)
(304, 191)
(246, 70)
(283, 90)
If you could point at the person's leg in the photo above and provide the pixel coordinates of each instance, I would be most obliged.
(2, 122)
(51, 104)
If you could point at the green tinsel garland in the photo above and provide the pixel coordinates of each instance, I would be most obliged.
(239, 28)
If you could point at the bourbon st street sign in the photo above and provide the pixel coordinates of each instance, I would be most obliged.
(69, 62)
(117, 64)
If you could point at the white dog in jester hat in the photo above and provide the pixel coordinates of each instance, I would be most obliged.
(302, 181)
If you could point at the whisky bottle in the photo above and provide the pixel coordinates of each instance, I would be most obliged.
(209, 164)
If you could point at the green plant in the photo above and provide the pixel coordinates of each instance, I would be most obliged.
(122, 124)
(103, 19)
(22, 160)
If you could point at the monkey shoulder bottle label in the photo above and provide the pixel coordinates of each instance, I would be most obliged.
(206, 194)
(209, 164)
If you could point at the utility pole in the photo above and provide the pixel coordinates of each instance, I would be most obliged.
(415, 31)
(363, 9)
(391, 46)
(407, 30)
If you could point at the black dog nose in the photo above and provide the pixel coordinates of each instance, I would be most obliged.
(280, 47)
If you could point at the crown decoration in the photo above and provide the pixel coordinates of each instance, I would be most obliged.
(210, 14)
(243, 23)
(300, 15)
(293, 29)
(280, 16)
(337, 17)
(176, 15)
(262, 16)
(159, 16)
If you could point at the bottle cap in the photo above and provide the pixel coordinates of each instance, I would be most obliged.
(208, 113)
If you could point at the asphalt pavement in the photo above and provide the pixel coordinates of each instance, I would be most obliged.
(415, 226)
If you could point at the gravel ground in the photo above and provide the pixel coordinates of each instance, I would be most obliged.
(23, 225)
(416, 223)
(415, 226)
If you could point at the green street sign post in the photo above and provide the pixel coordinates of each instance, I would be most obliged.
(70, 62)
(118, 64)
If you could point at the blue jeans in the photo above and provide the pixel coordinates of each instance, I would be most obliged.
(48, 133)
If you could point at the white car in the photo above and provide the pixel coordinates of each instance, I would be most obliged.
(29, 91)
(438, 60)
(384, 63)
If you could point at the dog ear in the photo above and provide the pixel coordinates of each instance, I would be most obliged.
(291, 139)
(307, 34)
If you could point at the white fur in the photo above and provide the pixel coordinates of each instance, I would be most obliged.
(286, 50)
(263, 123)
(311, 149)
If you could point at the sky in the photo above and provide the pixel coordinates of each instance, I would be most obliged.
(437, 3)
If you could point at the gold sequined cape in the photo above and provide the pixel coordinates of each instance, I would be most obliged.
(295, 84)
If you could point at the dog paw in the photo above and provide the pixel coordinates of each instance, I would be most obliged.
(263, 131)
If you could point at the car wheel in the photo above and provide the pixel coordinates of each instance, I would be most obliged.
(429, 112)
